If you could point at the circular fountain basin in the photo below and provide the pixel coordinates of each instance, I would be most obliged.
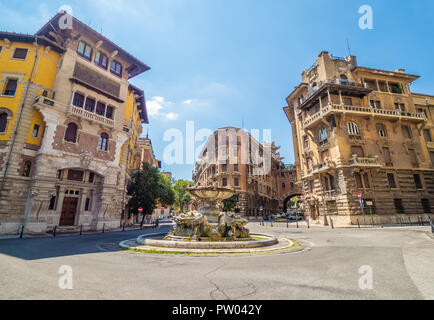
(178, 242)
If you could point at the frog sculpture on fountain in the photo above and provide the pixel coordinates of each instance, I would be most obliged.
(196, 226)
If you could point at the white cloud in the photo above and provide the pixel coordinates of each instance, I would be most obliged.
(155, 107)
(172, 116)
(188, 101)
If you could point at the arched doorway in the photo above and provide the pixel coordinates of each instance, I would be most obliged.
(287, 203)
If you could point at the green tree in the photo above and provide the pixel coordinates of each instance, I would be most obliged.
(148, 188)
(231, 203)
(295, 202)
(180, 187)
(185, 201)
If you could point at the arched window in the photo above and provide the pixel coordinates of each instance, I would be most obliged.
(103, 142)
(3, 122)
(344, 79)
(27, 168)
(353, 128)
(381, 130)
(71, 133)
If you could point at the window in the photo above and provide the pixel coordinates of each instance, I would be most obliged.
(398, 206)
(325, 155)
(11, 87)
(109, 113)
(236, 167)
(426, 205)
(344, 79)
(84, 50)
(101, 60)
(381, 130)
(431, 154)
(91, 177)
(375, 104)
(306, 142)
(237, 182)
(427, 135)
(395, 88)
(400, 107)
(366, 183)
(353, 129)
(116, 68)
(1, 49)
(103, 142)
(3, 122)
(371, 84)
(358, 178)
(90, 105)
(87, 206)
(224, 182)
(100, 109)
(383, 86)
(20, 53)
(311, 186)
(391, 179)
(27, 168)
(52, 205)
(322, 137)
(406, 132)
(35, 132)
(387, 157)
(283, 185)
(417, 181)
(71, 133)
(224, 167)
(78, 100)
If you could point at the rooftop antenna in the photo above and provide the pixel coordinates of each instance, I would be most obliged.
(349, 49)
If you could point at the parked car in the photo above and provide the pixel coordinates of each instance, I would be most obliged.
(294, 215)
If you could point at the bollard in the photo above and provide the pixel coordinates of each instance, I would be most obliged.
(421, 221)
(103, 228)
(22, 231)
(287, 224)
(123, 227)
(432, 226)
(54, 231)
(400, 220)
(409, 221)
(297, 222)
(271, 222)
(81, 230)
(307, 221)
(358, 223)
(331, 223)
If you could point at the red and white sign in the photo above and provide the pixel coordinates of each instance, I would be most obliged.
(140, 210)
(359, 196)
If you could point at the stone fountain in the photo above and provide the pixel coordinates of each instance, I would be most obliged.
(210, 224)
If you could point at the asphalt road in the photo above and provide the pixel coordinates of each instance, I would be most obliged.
(401, 260)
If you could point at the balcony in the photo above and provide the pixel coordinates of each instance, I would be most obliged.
(367, 162)
(379, 113)
(92, 116)
(42, 102)
(430, 145)
(321, 167)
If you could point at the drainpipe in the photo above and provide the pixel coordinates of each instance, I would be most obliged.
(19, 118)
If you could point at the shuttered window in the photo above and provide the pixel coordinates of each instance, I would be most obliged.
(20, 53)
(11, 87)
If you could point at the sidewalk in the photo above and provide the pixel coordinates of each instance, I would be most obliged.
(135, 227)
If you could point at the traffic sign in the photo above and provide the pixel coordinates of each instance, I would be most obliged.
(140, 210)
(359, 196)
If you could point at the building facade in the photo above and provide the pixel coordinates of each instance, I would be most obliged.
(234, 158)
(69, 125)
(359, 130)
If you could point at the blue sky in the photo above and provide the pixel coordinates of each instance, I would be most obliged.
(227, 62)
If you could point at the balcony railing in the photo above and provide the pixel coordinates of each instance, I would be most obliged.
(320, 167)
(312, 91)
(356, 161)
(419, 117)
(45, 101)
(92, 116)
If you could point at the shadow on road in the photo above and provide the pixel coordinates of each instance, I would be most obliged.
(61, 246)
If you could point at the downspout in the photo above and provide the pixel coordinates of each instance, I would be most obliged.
(19, 117)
